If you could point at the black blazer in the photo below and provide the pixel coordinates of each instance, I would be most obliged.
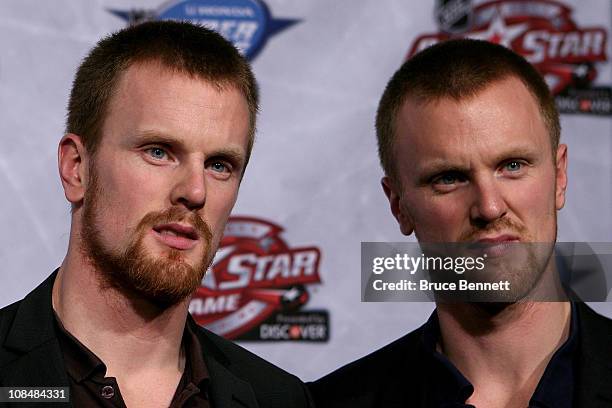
(30, 356)
(392, 376)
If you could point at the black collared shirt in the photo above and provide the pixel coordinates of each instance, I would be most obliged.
(89, 386)
(448, 388)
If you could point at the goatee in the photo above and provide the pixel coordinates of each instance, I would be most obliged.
(164, 280)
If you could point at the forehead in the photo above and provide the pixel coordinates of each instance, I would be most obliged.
(502, 117)
(150, 97)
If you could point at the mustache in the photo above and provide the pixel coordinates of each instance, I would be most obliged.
(176, 214)
(499, 226)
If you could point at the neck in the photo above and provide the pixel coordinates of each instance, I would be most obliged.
(129, 335)
(508, 346)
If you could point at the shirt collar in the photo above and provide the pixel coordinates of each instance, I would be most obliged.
(446, 383)
(449, 386)
(556, 387)
(193, 351)
(81, 363)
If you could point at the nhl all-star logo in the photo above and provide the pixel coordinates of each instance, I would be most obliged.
(257, 285)
(453, 15)
(545, 33)
(246, 23)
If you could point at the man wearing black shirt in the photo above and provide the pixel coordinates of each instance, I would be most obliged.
(160, 126)
(468, 138)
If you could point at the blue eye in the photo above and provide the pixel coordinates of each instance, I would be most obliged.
(219, 167)
(447, 179)
(513, 166)
(157, 153)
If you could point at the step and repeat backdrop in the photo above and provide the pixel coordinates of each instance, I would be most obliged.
(286, 280)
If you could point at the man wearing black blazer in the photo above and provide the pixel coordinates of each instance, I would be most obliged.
(468, 137)
(160, 127)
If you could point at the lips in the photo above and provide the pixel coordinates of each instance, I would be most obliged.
(499, 239)
(494, 246)
(176, 236)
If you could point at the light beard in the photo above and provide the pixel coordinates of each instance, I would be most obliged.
(164, 280)
(526, 275)
(526, 267)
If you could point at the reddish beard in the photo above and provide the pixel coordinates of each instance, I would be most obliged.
(164, 280)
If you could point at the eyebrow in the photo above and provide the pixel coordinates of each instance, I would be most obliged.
(436, 167)
(235, 156)
(150, 136)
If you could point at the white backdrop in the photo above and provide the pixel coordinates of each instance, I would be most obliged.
(314, 169)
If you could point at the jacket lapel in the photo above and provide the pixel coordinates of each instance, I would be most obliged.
(226, 389)
(42, 366)
(595, 359)
(31, 338)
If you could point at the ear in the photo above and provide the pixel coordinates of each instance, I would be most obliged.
(72, 163)
(393, 195)
(561, 176)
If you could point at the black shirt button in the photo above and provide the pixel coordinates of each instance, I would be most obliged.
(107, 392)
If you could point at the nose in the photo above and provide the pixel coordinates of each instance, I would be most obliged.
(489, 203)
(189, 189)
